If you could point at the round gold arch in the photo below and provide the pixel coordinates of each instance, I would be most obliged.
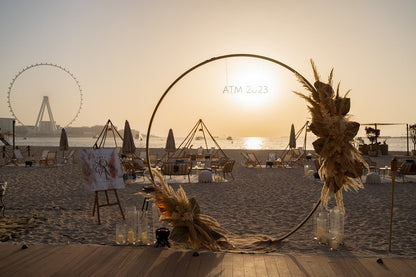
(298, 75)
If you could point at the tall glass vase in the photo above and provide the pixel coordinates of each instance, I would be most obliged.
(336, 228)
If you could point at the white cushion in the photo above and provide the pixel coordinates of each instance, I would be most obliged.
(205, 176)
(372, 178)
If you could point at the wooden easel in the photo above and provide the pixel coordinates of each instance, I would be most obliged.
(97, 203)
(99, 143)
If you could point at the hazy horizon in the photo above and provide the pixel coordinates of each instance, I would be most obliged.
(126, 54)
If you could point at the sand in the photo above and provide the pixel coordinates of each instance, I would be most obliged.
(49, 205)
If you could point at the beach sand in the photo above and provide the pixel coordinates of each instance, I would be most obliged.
(49, 205)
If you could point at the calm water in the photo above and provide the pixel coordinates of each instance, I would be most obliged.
(266, 143)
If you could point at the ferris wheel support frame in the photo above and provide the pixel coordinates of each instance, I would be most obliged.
(44, 64)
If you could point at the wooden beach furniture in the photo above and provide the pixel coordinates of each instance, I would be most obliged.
(69, 157)
(18, 156)
(298, 156)
(407, 167)
(223, 167)
(285, 161)
(371, 164)
(250, 159)
(43, 157)
(177, 167)
(49, 159)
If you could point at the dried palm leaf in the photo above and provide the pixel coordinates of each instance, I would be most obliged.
(189, 225)
(342, 164)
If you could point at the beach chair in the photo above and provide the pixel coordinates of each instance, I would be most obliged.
(43, 157)
(69, 157)
(250, 159)
(18, 156)
(224, 167)
(298, 156)
(50, 158)
(271, 160)
(371, 164)
(285, 161)
(133, 166)
(254, 159)
(407, 167)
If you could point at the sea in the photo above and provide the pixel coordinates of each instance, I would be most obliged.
(239, 143)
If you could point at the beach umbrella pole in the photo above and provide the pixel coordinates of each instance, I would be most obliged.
(393, 180)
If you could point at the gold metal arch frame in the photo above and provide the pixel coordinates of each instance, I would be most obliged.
(9, 91)
(297, 74)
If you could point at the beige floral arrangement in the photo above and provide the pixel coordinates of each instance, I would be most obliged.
(190, 227)
(341, 163)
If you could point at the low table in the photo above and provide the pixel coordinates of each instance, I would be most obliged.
(384, 170)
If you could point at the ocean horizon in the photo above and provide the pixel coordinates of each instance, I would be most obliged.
(244, 143)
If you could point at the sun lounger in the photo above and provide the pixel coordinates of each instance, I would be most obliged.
(69, 157)
(43, 157)
(250, 159)
(18, 156)
(285, 161)
(50, 158)
(298, 156)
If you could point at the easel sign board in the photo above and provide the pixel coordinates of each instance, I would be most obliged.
(101, 169)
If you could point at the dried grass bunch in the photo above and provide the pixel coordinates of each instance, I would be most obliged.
(189, 225)
(342, 164)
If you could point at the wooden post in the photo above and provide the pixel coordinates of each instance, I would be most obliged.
(14, 134)
(393, 180)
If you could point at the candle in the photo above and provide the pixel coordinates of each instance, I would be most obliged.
(130, 237)
(321, 234)
(334, 244)
(339, 237)
(144, 237)
(120, 239)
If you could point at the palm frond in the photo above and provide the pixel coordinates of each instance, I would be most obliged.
(315, 71)
(331, 74)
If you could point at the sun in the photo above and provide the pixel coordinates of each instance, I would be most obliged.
(251, 84)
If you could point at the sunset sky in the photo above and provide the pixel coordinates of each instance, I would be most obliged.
(125, 54)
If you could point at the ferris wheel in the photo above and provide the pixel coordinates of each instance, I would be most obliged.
(78, 86)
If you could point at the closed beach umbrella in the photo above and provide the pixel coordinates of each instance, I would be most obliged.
(128, 146)
(292, 139)
(170, 142)
(63, 142)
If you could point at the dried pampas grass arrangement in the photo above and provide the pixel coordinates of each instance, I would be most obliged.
(190, 227)
(342, 164)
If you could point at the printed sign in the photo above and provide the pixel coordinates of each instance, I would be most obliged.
(101, 169)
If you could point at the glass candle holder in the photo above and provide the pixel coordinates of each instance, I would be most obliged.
(121, 233)
(322, 227)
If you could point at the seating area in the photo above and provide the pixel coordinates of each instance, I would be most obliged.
(407, 167)
(177, 167)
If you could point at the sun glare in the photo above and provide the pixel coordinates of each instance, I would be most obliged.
(252, 84)
(253, 143)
